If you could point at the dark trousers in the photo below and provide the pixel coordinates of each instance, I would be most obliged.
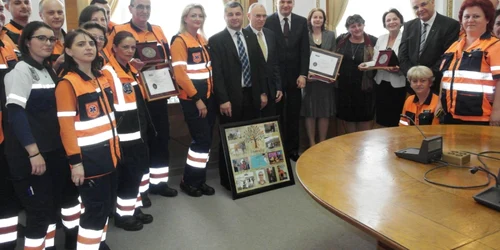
(289, 110)
(135, 158)
(8, 207)
(389, 102)
(43, 197)
(98, 198)
(246, 112)
(195, 170)
(158, 145)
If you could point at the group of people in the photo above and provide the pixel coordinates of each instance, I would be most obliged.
(83, 142)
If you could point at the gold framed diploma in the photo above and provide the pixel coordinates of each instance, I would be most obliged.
(324, 65)
(149, 53)
(158, 83)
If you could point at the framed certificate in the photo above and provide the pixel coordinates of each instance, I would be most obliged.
(324, 65)
(149, 53)
(158, 82)
(255, 156)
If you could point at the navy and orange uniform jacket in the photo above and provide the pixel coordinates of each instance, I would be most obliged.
(192, 66)
(13, 30)
(8, 60)
(129, 103)
(58, 48)
(153, 33)
(87, 121)
(470, 76)
(422, 114)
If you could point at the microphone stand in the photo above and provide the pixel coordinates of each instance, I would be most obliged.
(491, 196)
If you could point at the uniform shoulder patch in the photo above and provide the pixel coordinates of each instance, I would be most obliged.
(34, 75)
(197, 57)
(127, 88)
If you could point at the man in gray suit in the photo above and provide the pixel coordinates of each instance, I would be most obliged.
(268, 44)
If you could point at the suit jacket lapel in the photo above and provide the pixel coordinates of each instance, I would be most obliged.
(432, 32)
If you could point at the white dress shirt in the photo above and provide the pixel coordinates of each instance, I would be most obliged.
(235, 40)
(282, 21)
(430, 23)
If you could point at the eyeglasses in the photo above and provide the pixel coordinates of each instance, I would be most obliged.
(99, 38)
(142, 7)
(421, 5)
(43, 38)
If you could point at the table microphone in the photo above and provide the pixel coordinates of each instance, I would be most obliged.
(430, 150)
(491, 196)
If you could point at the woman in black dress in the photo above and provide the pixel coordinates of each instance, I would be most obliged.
(355, 95)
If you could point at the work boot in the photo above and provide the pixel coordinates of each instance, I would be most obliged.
(146, 202)
(190, 190)
(142, 217)
(206, 189)
(163, 189)
(128, 223)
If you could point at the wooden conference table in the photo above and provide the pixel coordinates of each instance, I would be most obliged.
(358, 178)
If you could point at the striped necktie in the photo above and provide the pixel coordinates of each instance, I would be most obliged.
(245, 64)
(423, 38)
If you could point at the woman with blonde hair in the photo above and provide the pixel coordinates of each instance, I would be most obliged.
(193, 74)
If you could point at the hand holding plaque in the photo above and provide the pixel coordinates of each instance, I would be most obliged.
(158, 82)
(387, 60)
(324, 65)
(149, 53)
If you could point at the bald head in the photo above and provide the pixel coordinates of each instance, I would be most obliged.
(52, 13)
(257, 16)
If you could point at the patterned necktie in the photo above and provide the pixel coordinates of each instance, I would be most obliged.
(286, 29)
(423, 38)
(245, 64)
(262, 44)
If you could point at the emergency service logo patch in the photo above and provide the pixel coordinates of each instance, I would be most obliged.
(127, 88)
(92, 109)
(197, 57)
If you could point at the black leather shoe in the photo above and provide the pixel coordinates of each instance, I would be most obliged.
(294, 156)
(163, 189)
(142, 217)
(70, 237)
(190, 190)
(104, 246)
(206, 189)
(146, 202)
(128, 223)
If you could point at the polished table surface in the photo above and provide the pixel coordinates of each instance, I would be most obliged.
(358, 178)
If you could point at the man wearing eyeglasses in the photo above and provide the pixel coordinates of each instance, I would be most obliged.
(52, 13)
(425, 39)
(143, 31)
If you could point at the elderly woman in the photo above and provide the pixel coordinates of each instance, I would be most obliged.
(471, 72)
(355, 96)
(319, 102)
(420, 107)
(390, 90)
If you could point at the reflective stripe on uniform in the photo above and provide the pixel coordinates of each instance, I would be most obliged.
(470, 87)
(197, 160)
(198, 66)
(94, 139)
(97, 122)
(125, 207)
(66, 114)
(403, 122)
(71, 216)
(105, 230)
(51, 234)
(469, 74)
(34, 243)
(130, 136)
(179, 63)
(199, 76)
(158, 175)
(43, 86)
(138, 200)
(89, 239)
(144, 183)
(9, 228)
(16, 97)
(494, 68)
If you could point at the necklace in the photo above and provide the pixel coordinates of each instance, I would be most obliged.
(353, 51)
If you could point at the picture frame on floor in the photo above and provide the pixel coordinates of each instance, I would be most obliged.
(255, 156)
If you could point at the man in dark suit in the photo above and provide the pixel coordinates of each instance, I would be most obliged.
(293, 40)
(239, 74)
(426, 38)
(268, 44)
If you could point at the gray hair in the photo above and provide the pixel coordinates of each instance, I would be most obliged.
(250, 8)
(354, 19)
